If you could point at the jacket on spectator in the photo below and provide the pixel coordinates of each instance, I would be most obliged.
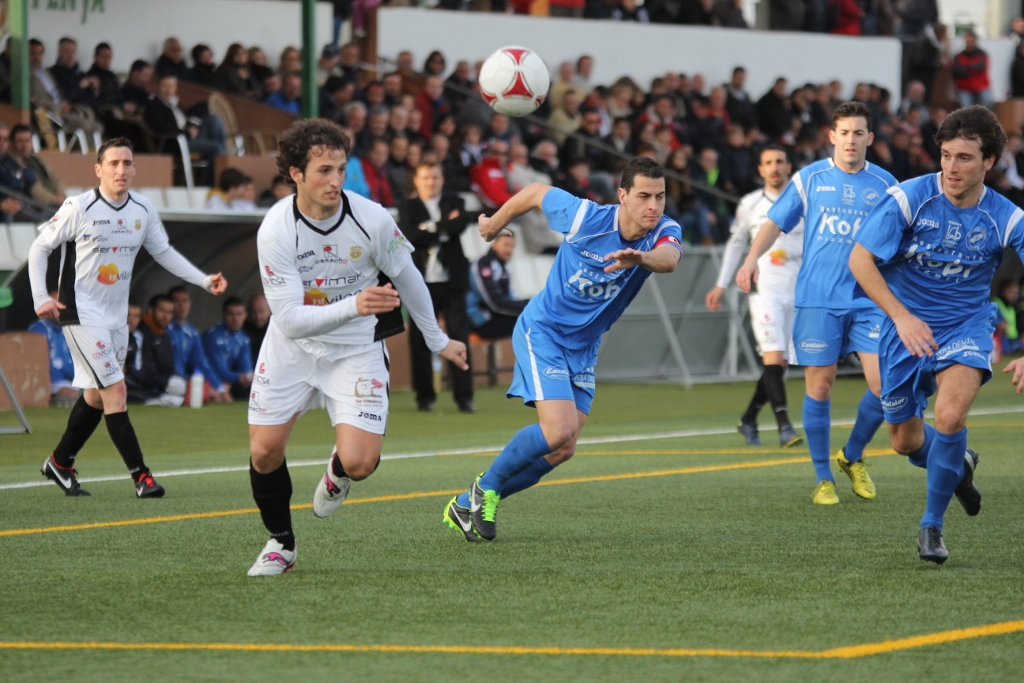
(67, 79)
(205, 74)
(1017, 76)
(726, 13)
(772, 116)
(165, 66)
(738, 169)
(378, 182)
(16, 177)
(62, 366)
(431, 111)
(355, 181)
(228, 354)
(189, 357)
(132, 93)
(848, 16)
(161, 119)
(256, 335)
(741, 109)
(456, 174)
(415, 221)
(490, 183)
(490, 290)
(970, 71)
(575, 148)
(228, 79)
(278, 101)
(157, 359)
(110, 90)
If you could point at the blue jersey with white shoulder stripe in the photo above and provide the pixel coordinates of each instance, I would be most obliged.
(834, 205)
(939, 260)
(580, 301)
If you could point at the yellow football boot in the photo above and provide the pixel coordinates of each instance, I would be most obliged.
(825, 493)
(858, 474)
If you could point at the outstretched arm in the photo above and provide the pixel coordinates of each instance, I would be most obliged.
(914, 332)
(748, 272)
(530, 197)
(660, 260)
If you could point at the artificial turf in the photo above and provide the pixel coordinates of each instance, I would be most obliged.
(734, 559)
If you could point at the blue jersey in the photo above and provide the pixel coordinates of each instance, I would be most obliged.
(835, 205)
(62, 367)
(939, 260)
(580, 301)
(228, 353)
(188, 351)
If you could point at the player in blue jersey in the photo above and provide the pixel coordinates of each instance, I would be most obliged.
(927, 256)
(835, 196)
(608, 254)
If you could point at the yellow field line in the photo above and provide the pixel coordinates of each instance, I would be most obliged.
(424, 494)
(849, 652)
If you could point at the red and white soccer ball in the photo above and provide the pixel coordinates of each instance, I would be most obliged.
(514, 81)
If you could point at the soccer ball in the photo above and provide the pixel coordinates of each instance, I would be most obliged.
(514, 81)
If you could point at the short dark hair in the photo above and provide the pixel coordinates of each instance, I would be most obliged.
(110, 144)
(67, 39)
(20, 128)
(738, 69)
(35, 42)
(230, 178)
(197, 51)
(278, 180)
(302, 137)
(644, 166)
(159, 298)
(232, 301)
(774, 147)
(176, 290)
(974, 123)
(850, 110)
(101, 46)
(139, 65)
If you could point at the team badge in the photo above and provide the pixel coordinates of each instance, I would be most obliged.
(870, 196)
(355, 252)
(976, 238)
(138, 224)
(849, 195)
(953, 235)
(330, 250)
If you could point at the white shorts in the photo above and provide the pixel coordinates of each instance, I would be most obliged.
(772, 320)
(98, 353)
(289, 373)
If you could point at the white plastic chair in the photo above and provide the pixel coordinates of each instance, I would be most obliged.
(155, 195)
(176, 198)
(197, 196)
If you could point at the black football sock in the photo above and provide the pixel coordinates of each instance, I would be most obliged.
(123, 435)
(756, 403)
(337, 468)
(273, 494)
(82, 422)
(775, 387)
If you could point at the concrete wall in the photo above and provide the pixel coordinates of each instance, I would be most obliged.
(136, 29)
(644, 51)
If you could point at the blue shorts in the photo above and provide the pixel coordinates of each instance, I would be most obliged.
(546, 371)
(908, 381)
(824, 335)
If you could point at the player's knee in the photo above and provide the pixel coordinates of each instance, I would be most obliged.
(559, 436)
(266, 456)
(114, 399)
(949, 419)
(904, 444)
(362, 468)
(563, 453)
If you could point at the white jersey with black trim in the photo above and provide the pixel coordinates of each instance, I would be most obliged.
(780, 265)
(99, 242)
(317, 263)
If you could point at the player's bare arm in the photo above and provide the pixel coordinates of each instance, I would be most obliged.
(746, 276)
(914, 332)
(661, 260)
(530, 197)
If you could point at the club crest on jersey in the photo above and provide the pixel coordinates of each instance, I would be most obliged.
(138, 224)
(849, 194)
(122, 226)
(953, 235)
(870, 196)
(976, 238)
(355, 252)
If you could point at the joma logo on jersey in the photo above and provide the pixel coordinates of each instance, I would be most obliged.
(306, 255)
(110, 275)
(589, 288)
(921, 258)
(837, 226)
(928, 223)
(589, 254)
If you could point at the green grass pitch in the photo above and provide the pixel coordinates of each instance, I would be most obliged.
(692, 556)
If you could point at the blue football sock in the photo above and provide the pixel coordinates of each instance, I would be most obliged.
(919, 458)
(945, 469)
(527, 478)
(869, 419)
(818, 427)
(522, 451)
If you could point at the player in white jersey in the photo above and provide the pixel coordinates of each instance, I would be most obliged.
(771, 306)
(99, 234)
(327, 259)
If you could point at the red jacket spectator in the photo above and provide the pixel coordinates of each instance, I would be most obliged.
(378, 181)
(431, 104)
(490, 183)
(970, 70)
(848, 16)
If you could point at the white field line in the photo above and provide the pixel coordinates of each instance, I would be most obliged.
(622, 438)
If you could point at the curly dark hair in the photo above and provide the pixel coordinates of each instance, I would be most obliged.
(974, 123)
(302, 137)
(645, 166)
(849, 110)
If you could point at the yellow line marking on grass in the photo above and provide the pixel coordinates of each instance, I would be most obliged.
(850, 652)
(425, 494)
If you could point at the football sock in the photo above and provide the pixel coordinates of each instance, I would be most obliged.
(945, 469)
(775, 388)
(82, 422)
(869, 419)
(527, 478)
(756, 403)
(273, 493)
(522, 451)
(818, 427)
(919, 458)
(336, 467)
(123, 435)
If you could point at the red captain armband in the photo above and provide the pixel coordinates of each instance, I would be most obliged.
(668, 239)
